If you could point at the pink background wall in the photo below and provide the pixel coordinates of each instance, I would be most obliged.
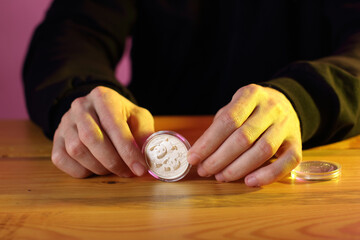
(18, 19)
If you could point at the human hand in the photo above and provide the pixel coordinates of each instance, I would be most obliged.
(257, 124)
(101, 134)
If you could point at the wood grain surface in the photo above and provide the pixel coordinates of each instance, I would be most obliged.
(37, 201)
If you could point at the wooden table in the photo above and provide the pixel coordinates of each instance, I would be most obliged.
(37, 201)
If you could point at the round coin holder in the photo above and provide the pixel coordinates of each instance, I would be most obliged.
(317, 170)
(166, 156)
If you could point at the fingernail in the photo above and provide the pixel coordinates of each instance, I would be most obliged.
(202, 172)
(220, 177)
(252, 181)
(138, 169)
(193, 158)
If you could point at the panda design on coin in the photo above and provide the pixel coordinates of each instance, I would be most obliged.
(166, 156)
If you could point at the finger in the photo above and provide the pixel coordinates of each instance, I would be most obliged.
(64, 162)
(238, 142)
(230, 119)
(120, 135)
(91, 135)
(128, 149)
(264, 148)
(290, 158)
(80, 153)
(96, 140)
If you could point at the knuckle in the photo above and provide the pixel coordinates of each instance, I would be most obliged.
(230, 175)
(90, 137)
(65, 119)
(210, 166)
(243, 139)
(113, 166)
(78, 103)
(273, 103)
(57, 134)
(238, 94)
(271, 175)
(101, 172)
(128, 151)
(109, 122)
(75, 149)
(251, 89)
(267, 149)
(254, 87)
(276, 109)
(202, 148)
(219, 112)
(98, 92)
(248, 88)
(144, 113)
(57, 158)
(98, 170)
(147, 114)
(82, 173)
(297, 157)
(229, 120)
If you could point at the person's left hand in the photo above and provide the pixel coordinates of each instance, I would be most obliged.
(257, 124)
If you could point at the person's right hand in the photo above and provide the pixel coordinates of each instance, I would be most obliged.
(100, 134)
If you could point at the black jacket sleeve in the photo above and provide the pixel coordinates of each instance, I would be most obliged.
(326, 92)
(75, 49)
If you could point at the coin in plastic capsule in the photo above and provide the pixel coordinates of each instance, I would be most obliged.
(166, 156)
(316, 170)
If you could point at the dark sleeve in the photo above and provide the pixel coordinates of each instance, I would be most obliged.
(326, 92)
(74, 49)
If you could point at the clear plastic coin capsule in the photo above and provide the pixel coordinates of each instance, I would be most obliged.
(166, 156)
(317, 170)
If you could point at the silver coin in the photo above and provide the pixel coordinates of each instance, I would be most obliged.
(166, 156)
